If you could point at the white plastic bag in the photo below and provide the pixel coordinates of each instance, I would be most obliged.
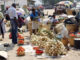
(64, 32)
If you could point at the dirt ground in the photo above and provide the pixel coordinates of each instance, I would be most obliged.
(71, 55)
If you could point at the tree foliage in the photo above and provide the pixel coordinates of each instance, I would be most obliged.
(52, 2)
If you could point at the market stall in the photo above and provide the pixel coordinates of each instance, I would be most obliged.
(62, 6)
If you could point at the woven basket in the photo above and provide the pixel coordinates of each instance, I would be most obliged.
(65, 41)
(71, 27)
(71, 41)
(69, 12)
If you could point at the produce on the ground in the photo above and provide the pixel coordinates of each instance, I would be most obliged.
(34, 39)
(47, 40)
(39, 40)
(20, 51)
(39, 52)
(20, 42)
(10, 35)
(20, 37)
(55, 48)
(36, 48)
(45, 32)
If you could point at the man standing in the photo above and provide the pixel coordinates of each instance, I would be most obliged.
(14, 24)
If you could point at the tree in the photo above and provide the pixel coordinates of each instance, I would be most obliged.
(52, 2)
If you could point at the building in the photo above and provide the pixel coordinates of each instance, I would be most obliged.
(20, 2)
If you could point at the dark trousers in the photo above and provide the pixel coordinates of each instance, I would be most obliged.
(1, 30)
(14, 30)
(14, 36)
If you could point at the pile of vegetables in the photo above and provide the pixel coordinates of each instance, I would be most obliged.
(42, 41)
(45, 32)
(34, 39)
(49, 42)
(55, 48)
(10, 36)
(39, 40)
(36, 48)
(20, 42)
(20, 38)
(39, 52)
(20, 51)
(52, 47)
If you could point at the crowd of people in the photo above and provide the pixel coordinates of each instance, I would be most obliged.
(17, 20)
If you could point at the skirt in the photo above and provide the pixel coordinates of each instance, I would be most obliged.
(35, 25)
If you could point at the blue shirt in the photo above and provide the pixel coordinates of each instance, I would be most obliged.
(34, 16)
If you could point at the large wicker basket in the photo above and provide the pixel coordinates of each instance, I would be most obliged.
(71, 27)
(71, 41)
(69, 12)
(65, 41)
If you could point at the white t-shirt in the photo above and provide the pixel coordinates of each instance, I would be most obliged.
(12, 13)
